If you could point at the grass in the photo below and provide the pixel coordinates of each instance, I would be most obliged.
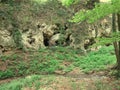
(20, 83)
(97, 60)
(50, 82)
(105, 86)
(47, 61)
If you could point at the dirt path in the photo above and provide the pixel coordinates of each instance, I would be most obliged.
(76, 74)
(74, 80)
(9, 80)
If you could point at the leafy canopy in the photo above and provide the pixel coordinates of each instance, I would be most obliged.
(69, 2)
(101, 10)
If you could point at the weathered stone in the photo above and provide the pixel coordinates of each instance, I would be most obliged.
(95, 48)
(48, 30)
(53, 39)
(39, 30)
(6, 39)
(33, 39)
(77, 43)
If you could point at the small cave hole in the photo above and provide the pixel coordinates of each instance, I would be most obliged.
(38, 26)
(32, 40)
(92, 41)
(3, 18)
(68, 40)
(46, 42)
(57, 43)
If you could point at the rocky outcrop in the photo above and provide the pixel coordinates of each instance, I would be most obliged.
(6, 40)
(32, 39)
(38, 37)
(43, 35)
(53, 39)
(48, 28)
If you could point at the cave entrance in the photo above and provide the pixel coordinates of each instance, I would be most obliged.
(46, 42)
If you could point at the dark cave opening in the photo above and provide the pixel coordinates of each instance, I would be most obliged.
(46, 42)
(68, 40)
(91, 42)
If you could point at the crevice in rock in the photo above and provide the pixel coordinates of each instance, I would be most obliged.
(2, 49)
(91, 42)
(38, 26)
(46, 42)
(67, 41)
(32, 40)
(57, 43)
(25, 30)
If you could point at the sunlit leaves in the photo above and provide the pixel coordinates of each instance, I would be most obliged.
(114, 37)
(100, 10)
(67, 2)
(93, 15)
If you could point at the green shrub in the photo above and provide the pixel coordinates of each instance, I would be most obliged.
(97, 60)
(6, 74)
(19, 84)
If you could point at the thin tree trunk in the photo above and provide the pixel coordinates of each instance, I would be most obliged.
(116, 46)
(118, 60)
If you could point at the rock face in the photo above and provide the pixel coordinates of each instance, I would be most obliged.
(32, 40)
(39, 37)
(48, 35)
(53, 39)
(45, 30)
(6, 40)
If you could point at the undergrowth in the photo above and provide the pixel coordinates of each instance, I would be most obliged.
(20, 83)
(47, 61)
(50, 82)
(97, 60)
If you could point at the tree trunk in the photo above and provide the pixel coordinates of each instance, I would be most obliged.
(116, 44)
(118, 60)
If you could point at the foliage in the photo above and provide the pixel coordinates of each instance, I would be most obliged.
(67, 2)
(44, 82)
(40, 1)
(114, 37)
(98, 12)
(101, 10)
(97, 60)
(20, 83)
(64, 59)
(100, 85)
(11, 57)
(44, 67)
(6, 74)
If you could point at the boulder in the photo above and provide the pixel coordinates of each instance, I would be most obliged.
(48, 30)
(36, 38)
(6, 39)
(33, 39)
(54, 39)
(43, 28)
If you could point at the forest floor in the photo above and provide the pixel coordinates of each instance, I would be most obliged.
(65, 69)
(74, 80)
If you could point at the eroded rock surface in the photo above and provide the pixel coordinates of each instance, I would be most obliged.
(50, 28)
(6, 40)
